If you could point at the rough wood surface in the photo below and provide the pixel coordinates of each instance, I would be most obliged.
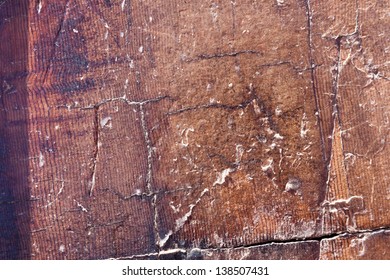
(194, 129)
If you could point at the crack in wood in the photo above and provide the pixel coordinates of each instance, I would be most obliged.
(186, 251)
(221, 55)
(96, 143)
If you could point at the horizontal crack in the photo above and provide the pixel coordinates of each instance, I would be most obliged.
(295, 240)
(213, 106)
(116, 99)
(144, 195)
(220, 55)
(154, 254)
(186, 251)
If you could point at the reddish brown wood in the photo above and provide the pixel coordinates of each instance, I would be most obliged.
(194, 129)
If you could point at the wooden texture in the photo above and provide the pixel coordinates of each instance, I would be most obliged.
(194, 129)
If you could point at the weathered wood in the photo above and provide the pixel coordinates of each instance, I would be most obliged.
(194, 129)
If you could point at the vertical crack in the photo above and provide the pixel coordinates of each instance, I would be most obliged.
(312, 74)
(55, 41)
(236, 58)
(149, 149)
(96, 135)
(336, 71)
(336, 117)
(326, 158)
(149, 175)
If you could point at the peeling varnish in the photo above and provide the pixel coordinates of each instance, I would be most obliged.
(293, 185)
(164, 240)
(360, 244)
(221, 177)
(304, 126)
(239, 153)
(344, 205)
(268, 166)
(106, 122)
(280, 3)
(179, 223)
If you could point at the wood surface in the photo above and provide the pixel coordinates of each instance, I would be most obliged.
(168, 129)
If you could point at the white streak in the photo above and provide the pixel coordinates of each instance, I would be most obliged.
(41, 160)
(165, 239)
(181, 221)
(39, 8)
(222, 176)
(81, 206)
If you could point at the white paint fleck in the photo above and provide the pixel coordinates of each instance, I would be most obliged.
(176, 209)
(185, 141)
(122, 34)
(218, 240)
(359, 244)
(81, 206)
(278, 136)
(222, 176)
(230, 85)
(62, 248)
(343, 201)
(75, 30)
(239, 153)
(123, 5)
(39, 8)
(256, 107)
(41, 160)
(165, 239)
(293, 184)
(213, 12)
(304, 128)
(106, 122)
(131, 64)
(141, 49)
(268, 166)
(181, 221)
